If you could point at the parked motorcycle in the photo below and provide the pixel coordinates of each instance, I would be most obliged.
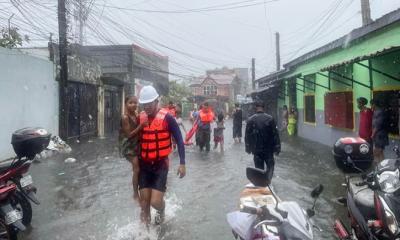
(10, 217)
(263, 215)
(27, 142)
(373, 203)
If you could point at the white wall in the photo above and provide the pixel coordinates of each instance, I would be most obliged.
(28, 96)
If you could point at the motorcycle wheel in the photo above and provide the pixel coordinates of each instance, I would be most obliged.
(6, 233)
(21, 203)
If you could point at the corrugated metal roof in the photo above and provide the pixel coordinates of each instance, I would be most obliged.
(356, 34)
(360, 58)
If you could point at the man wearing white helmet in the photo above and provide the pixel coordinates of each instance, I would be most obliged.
(155, 146)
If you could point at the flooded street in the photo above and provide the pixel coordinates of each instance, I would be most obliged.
(92, 198)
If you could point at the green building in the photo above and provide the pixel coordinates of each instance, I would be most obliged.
(324, 84)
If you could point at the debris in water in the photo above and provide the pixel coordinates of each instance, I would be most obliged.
(61, 173)
(70, 160)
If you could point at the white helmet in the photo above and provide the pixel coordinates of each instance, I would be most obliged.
(148, 94)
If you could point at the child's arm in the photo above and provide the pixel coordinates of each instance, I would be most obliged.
(137, 130)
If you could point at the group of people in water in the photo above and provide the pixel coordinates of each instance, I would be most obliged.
(148, 138)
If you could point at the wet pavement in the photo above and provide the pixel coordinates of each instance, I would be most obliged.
(92, 198)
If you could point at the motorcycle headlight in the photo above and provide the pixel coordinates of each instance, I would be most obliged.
(348, 149)
(390, 220)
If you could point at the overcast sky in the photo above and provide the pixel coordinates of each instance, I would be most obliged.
(204, 34)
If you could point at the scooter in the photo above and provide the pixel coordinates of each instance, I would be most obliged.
(10, 217)
(263, 215)
(27, 142)
(373, 203)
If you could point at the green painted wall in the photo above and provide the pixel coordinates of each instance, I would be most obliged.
(389, 63)
(385, 38)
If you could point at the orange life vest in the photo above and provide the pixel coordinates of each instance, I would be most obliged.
(206, 117)
(155, 140)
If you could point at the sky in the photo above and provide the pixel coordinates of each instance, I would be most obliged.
(199, 35)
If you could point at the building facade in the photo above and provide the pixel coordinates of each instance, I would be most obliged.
(219, 90)
(324, 84)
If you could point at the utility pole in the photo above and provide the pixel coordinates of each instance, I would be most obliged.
(278, 52)
(81, 20)
(63, 77)
(9, 25)
(253, 73)
(365, 12)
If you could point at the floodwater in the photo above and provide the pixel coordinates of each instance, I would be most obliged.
(92, 198)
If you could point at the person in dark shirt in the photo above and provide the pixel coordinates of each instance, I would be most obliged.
(380, 135)
(262, 139)
(237, 123)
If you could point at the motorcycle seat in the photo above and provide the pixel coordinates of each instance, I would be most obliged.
(363, 198)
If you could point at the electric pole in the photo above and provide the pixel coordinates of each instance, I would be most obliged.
(278, 52)
(365, 12)
(63, 77)
(253, 73)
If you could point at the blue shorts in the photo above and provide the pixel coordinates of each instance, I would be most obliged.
(154, 176)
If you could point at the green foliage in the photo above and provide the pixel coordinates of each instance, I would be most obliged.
(178, 92)
(10, 38)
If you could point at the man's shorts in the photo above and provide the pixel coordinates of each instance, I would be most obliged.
(154, 176)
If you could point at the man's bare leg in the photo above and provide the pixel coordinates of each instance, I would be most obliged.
(158, 203)
(145, 203)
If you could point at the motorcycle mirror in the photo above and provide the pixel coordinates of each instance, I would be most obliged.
(310, 213)
(317, 191)
(257, 177)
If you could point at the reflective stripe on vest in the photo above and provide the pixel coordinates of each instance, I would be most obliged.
(155, 139)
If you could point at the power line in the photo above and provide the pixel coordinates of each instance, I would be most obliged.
(206, 9)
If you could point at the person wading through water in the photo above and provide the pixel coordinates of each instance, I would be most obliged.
(237, 123)
(262, 139)
(155, 146)
(129, 139)
(206, 116)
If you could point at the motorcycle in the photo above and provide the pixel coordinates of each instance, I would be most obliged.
(373, 203)
(27, 142)
(10, 217)
(263, 215)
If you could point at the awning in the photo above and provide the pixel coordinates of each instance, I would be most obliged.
(361, 58)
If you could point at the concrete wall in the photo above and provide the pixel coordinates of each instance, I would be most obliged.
(28, 96)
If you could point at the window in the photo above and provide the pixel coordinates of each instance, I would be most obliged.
(339, 110)
(309, 108)
(391, 101)
(210, 90)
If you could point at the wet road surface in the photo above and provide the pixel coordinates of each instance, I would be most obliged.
(92, 198)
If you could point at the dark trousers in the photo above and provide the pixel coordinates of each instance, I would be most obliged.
(204, 137)
(261, 160)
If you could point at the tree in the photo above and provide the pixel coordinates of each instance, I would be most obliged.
(178, 92)
(11, 38)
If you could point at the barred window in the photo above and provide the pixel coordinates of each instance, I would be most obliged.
(210, 90)
(309, 108)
